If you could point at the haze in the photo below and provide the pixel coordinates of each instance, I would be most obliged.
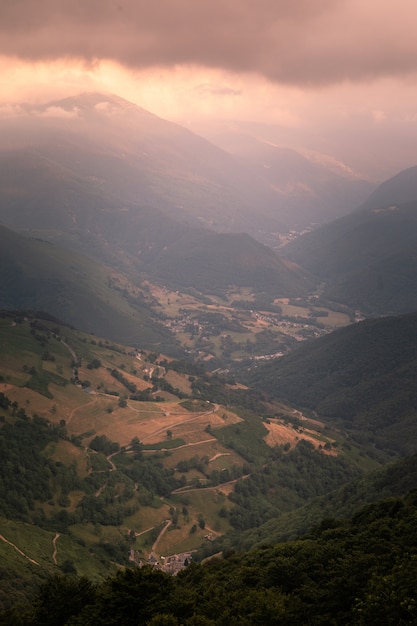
(334, 76)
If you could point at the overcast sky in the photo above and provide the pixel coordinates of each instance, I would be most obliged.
(299, 63)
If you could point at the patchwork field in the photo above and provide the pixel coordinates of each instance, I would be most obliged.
(141, 461)
(241, 324)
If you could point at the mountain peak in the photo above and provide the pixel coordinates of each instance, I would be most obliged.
(89, 103)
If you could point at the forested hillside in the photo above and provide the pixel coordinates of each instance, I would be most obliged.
(361, 377)
(360, 571)
(367, 260)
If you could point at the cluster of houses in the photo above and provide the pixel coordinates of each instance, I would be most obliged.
(168, 564)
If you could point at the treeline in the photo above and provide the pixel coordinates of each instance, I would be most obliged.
(392, 480)
(215, 388)
(285, 481)
(360, 572)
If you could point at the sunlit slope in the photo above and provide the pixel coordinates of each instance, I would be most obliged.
(140, 194)
(130, 154)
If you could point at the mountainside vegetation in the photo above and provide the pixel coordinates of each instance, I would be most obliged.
(367, 259)
(106, 447)
(173, 391)
(359, 571)
(361, 377)
(392, 480)
(40, 276)
(216, 261)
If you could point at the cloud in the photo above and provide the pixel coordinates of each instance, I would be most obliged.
(211, 89)
(9, 110)
(307, 43)
(59, 112)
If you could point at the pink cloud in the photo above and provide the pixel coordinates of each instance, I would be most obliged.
(308, 42)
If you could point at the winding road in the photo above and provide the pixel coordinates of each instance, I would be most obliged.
(54, 553)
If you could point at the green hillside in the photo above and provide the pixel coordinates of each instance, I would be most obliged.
(393, 480)
(359, 571)
(210, 261)
(40, 276)
(104, 446)
(366, 260)
(361, 378)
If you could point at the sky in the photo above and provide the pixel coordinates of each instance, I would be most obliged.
(302, 64)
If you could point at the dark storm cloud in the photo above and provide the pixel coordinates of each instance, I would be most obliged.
(293, 41)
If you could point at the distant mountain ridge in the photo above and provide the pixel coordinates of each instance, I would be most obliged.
(112, 181)
(311, 187)
(132, 155)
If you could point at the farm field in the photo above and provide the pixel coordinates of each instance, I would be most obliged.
(240, 324)
(144, 455)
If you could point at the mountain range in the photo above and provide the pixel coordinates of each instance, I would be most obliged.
(109, 181)
(114, 221)
(312, 187)
(127, 154)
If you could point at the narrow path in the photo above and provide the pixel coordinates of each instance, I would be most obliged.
(82, 406)
(149, 409)
(18, 550)
(229, 482)
(159, 537)
(219, 454)
(72, 352)
(142, 532)
(186, 421)
(54, 553)
(112, 469)
(109, 458)
(185, 445)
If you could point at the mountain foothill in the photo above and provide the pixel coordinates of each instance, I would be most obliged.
(208, 369)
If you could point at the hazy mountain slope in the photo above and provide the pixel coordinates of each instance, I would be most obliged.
(369, 258)
(37, 275)
(101, 175)
(53, 203)
(140, 158)
(362, 377)
(312, 187)
(398, 189)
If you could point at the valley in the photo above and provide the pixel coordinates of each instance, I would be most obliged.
(239, 326)
(131, 441)
(173, 389)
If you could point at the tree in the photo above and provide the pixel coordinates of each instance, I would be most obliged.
(60, 598)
